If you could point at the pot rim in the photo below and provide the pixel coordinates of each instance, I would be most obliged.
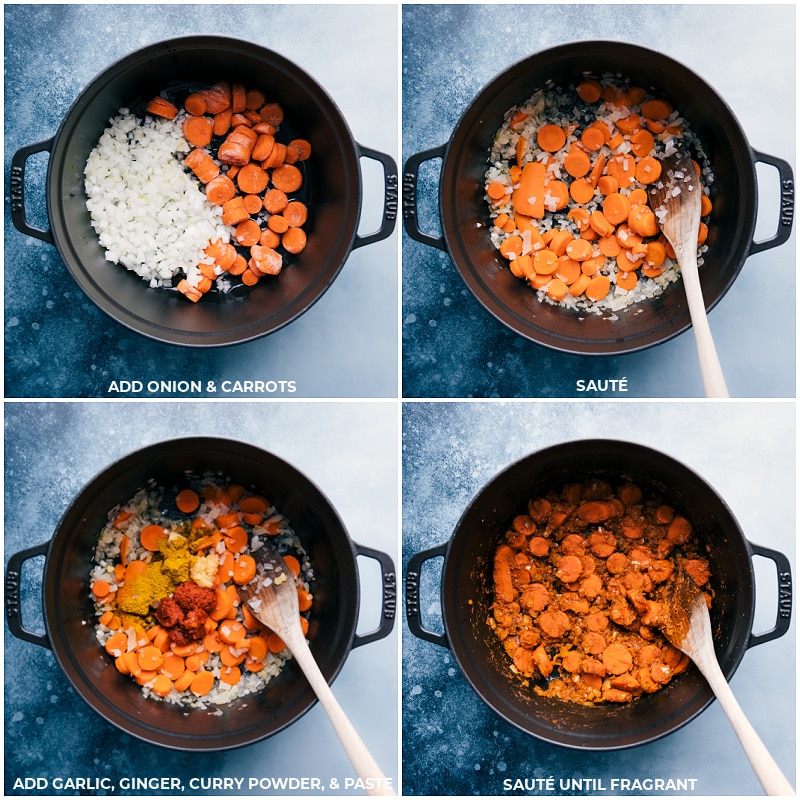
(455, 617)
(241, 330)
(519, 320)
(60, 644)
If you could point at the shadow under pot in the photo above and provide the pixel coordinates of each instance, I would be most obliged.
(69, 614)
(332, 192)
(464, 213)
(467, 594)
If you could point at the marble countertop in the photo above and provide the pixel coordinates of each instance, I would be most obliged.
(53, 449)
(58, 344)
(455, 744)
(452, 347)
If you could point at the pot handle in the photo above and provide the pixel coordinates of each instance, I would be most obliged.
(787, 203)
(389, 591)
(17, 190)
(13, 604)
(389, 197)
(413, 617)
(410, 176)
(784, 613)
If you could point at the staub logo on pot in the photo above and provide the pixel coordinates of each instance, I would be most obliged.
(16, 182)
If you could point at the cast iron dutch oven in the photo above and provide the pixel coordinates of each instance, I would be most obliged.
(333, 189)
(69, 618)
(464, 215)
(466, 594)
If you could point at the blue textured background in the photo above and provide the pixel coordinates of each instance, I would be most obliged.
(452, 742)
(452, 347)
(58, 344)
(53, 449)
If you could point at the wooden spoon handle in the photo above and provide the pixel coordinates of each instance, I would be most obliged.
(764, 765)
(375, 783)
(713, 379)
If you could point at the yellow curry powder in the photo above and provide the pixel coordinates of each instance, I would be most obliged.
(159, 578)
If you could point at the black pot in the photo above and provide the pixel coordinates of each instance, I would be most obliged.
(69, 614)
(466, 594)
(333, 182)
(465, 220)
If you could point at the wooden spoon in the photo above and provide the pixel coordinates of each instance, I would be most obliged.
(272, 597)
(675, 200)
(687, 626)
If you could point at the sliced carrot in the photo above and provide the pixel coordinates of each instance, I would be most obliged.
(557, 289)
(278, 223)
(272, 114)
(218, 97)
(292, 563)
(239, 265)
(162, 685)
(232, 656)
(187, 501)
(656, 109)
(189, 291)
(122, 518)
(257, 649)
(579, 287)
(231, 631)
(150, 536)
(577, 162)
(100, 588)
(275, 201)
(588, 91)
(263, 147)
(528, 198)
(230, 675)
(551, 138)
(198, 131)
(276, 157)
(269, 239)
(627, 280)
(202, 683)
(244, 570)
(184, 682)
(247, 233)
(251, 179)
(106, 617)
(117, 644)
(648, 170)
(275, 644)
(287, 178)
(616, 207)
(642, 143)
(233, 153)
(298, 150)
(184, 650)
(235, 538)
(249, 278)
(579, 249)
(195, 104)
(234, 212)
(238, 98)
(267, 260)
(581, 191)
(598, 288)
(161, 107)
(252, 204)
(150, 658)
(220, 190)
(305, 599)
